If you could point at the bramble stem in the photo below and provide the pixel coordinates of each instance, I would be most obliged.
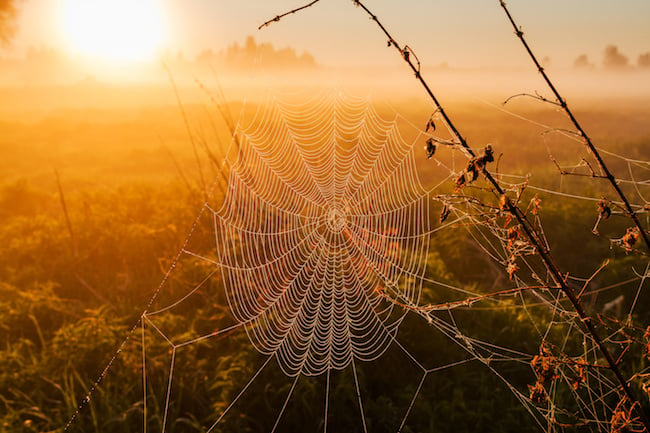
(628, 209)
(293, 11)
(529, 230)
(562, 103)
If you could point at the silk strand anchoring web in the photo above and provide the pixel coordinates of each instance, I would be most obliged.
(321, 245)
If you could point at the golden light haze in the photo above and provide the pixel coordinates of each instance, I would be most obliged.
(114, 31)
(466, 48)
(170, 175)
(463, 33)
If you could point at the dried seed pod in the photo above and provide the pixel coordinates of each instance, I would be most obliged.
(430, 125)
(488, 154)
(604, 211)
(460, 182)
(511, 267)
(431, 148)
(537, 393)
(630, 238)
(444, 213)
(472, 169)
(504, 202)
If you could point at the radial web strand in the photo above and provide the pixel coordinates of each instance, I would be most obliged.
(323, 212)
(322, 251)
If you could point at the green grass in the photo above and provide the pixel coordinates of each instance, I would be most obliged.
(130, 181)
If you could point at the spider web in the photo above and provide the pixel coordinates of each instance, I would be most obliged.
(321, 214)
(320, 248)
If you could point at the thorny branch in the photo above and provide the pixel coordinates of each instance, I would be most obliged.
(562, 103)
(293, 11)
(528, 230)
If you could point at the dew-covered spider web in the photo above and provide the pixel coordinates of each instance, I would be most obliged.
(323, 212)
(319, 252)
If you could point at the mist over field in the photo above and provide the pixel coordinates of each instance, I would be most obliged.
(262, 238)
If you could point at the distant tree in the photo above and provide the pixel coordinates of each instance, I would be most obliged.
(644, 60)
(206, 56)
(250, 46)
(613, 58)
(253, 53)
(7, 15)
(582, 62)
(307, 59)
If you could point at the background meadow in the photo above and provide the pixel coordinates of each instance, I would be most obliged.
(117, 156)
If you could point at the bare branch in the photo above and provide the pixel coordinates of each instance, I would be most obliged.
(560, 169)
(607, 174)
(563, 172)
(535, 96)
(293, 11)
(591, 169)
(527, 228)
(586, 284)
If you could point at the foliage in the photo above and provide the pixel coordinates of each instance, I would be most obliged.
(7, 15)
(69, 298)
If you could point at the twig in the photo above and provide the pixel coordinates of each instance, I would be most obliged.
(563, 172)
(591, 169)
(445, 142)
(68, 223)
(535, 96)
(458, 304)
(279, 17)
(628, 208)
(562, 103)
(584, 287)
(528, 229)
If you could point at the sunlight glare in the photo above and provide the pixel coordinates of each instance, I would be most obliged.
(113, 30)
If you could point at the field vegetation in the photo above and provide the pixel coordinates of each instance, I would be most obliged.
(96, 203)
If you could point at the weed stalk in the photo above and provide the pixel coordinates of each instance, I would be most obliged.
(529, 230)
(587, 141)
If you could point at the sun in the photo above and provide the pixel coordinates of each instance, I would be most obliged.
(113, 30)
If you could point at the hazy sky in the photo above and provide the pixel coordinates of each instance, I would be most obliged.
(463, 33)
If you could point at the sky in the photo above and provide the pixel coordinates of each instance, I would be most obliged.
(461, 33)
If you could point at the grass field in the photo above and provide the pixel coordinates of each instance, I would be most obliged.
(96, 201)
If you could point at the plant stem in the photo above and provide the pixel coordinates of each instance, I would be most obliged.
(73, 239)
(529, 230)
(562, 103)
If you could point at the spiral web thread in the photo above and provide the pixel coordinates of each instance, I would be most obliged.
(325, 212)
(322, 243)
